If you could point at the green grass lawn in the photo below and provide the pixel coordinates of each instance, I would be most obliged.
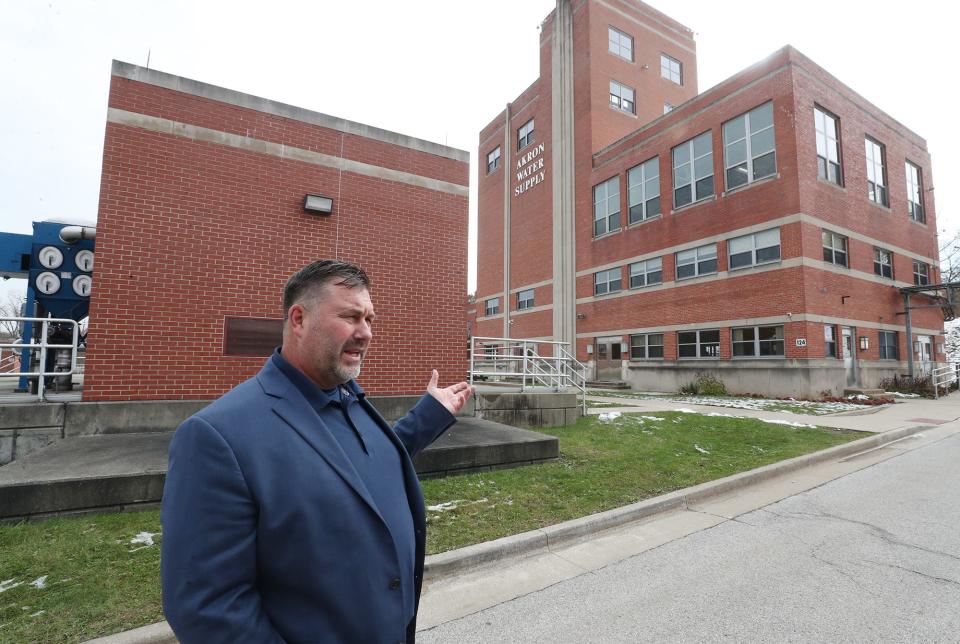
(98, 582)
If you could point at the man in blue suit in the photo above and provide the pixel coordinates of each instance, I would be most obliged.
(291, 510)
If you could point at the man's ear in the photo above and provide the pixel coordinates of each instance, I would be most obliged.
(295, 316)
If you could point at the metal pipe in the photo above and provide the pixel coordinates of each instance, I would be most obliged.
(906, 308)
(73, 234)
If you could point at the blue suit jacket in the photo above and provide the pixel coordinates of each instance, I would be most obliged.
(269, 535)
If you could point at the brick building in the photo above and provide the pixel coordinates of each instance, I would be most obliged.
(759, 231)
(202, 218)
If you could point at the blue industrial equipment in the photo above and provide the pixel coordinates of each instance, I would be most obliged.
(57, 261)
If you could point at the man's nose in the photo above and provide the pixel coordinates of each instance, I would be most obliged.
(364, 331)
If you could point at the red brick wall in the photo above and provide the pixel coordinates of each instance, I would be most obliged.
(190, 232)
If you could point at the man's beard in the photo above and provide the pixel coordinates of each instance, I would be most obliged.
(346, 374)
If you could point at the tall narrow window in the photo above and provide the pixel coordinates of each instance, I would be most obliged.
(606, 207)
(830, 340)
(671, 69)
(883, 262)
(525, 135)
(693, 170)
(834, 248)
(749, 146)
(921, 273)
(828, 146)
(643, 191)
(492, 306)
(493, 160)
(915, 193)
(888, 345)
(621, 98)
(876, 172)
(620, 44)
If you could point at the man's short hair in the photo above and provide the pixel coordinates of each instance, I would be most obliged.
(309, 279)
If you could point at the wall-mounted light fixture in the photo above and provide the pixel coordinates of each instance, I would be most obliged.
(318, 203)
(864, 343)
(581, 316)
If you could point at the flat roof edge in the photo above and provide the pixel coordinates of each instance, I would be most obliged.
(213, 92)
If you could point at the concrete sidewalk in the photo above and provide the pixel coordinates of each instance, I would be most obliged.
(464, 581)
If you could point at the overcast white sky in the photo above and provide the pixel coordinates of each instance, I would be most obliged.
(433, 69)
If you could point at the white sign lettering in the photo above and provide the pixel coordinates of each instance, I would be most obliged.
(530, 170)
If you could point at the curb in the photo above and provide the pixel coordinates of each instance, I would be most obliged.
(544, 539)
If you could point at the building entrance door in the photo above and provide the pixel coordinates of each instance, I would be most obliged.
(608, 353)
(924, 354)
(849, 363)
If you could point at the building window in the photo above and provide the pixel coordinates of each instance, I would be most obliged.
(751, 250)
(606, 281)
(646, 273)
(697, 261)
(749, 146)
(830, 340)
(876, 172)
(493, 306)
(921, 273)
(693, 170)
(828, 146)
(758, 342)
(915, 193)
(606, 207)
(671, 69)
(621, 98)
(620, 44)
(834, 248)
(643, 191)
(646, 346)
(493, 160)
(525, 299)
(525, 135)
(698, 344)
(888, 345)
(667, 108)
(883, 262)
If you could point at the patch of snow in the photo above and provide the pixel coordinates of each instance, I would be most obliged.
(858, 397)
(717, 414)
(785, 422)
(700, 449)
(652, 417)
(9, 584)
(453, 505)
(39, 582)
(38, 613)
(684, 410)
(145, 538)
(607, 417)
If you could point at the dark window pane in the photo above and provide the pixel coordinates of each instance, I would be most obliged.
(615, 285)
(768, 254)
(705, 187)
(687, 337)
(840, 258)
(739, 260)
(599, 227)
(682, 196)
(765, 166)
(636, 213)
(736, 176)
(685, 271)
(655, 351)
(771, 347)
(828, 255)
(821, 167)
(653, 207)
(741, 349)
(707, 266)
(710, 336)
(614, 221)
(654, 277)
(687, 350)
(636, 281)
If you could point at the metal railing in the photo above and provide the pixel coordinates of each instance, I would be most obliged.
(43, 346)
(520, 362)
(943, 377)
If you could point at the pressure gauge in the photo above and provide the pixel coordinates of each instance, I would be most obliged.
(81, 285)
(48, 283)
(50, 257)
(84, 260)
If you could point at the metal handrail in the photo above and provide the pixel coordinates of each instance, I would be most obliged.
(943, 376)
(43, 346)
(519, 358)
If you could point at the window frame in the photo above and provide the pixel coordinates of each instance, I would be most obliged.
(667, 71)
(756, 342)
(524, 303)
(690, 149)
(611, 31)
(617, 89)
(639, 188)
(830, 344)
(879, 264)
(921, 278)
(821, 114)
(885, 348)
(607, 281)
(915, 209)
(697, 261)
(495, 162)
(748, 139)
(645, 273)
(881, 196)
(833, 250)
(646, 346)
(754, 250)
(608, 217)
(698, 345)
(525, 134)
(487, 307)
